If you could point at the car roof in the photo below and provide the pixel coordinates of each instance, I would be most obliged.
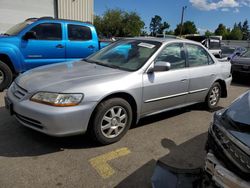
(165, 40)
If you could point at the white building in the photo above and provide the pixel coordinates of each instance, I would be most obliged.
(15, 11)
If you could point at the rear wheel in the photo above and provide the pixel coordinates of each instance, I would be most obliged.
(213, 96)
(111, 121)
(6, 76)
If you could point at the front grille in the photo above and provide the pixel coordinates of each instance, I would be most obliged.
(241, 159)
(29, 121)
(18, 91)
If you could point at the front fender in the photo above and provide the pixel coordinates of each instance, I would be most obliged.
(14, 55)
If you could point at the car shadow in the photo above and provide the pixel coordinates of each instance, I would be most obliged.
(188, 155)
(173, 113)
(18, 141)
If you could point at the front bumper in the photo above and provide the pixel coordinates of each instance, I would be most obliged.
(54, 121)
(222, 176)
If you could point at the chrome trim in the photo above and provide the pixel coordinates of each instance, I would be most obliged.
(166, 97)
(198, 90)
(175, 95)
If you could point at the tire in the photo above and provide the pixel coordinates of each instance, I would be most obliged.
(6, 76)
(213, 96)
(111, 120)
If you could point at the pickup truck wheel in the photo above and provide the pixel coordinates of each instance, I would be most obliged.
(213, 96)
(111, 121)
(6, 76)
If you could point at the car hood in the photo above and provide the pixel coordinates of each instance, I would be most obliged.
(63, 76)
(239, 115)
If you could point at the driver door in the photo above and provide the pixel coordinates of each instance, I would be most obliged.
(48, 46)
(166, 89)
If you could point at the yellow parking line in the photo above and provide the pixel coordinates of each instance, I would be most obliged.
(100, 163)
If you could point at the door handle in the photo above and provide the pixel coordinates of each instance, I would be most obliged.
(212, 75)
(183, 80)
(59, 46)
(91, 47)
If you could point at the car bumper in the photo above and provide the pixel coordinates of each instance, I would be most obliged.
(54, 121)
(222, 176)
(241, 69)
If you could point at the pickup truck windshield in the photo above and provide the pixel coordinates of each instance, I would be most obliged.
(17, 28)
(129, 54)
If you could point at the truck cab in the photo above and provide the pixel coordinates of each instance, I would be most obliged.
(41, 41)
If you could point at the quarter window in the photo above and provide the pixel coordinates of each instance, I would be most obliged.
(174, 54)
(48, 31)
(197, 56)
(79, 33)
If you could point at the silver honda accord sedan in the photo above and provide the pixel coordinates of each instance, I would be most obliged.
(115, 87)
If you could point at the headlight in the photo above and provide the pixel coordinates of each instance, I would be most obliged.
(57, 99)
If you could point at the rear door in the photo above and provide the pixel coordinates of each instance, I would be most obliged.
(47, 48)
(202, 72)
(80, 42)
(166, 89)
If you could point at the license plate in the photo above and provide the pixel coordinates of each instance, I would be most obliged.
(8, 105)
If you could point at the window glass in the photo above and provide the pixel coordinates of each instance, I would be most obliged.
(173, 54)
(48, 31)
(197, 56)
(247, 54)
(130, 54)
(79, 33)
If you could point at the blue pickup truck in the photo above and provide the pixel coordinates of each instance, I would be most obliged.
(42, 41)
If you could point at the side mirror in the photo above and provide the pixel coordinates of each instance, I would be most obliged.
(161, 66)
(238, 53)
(30, 35)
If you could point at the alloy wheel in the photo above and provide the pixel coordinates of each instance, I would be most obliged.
(114, 121)
(214, 96)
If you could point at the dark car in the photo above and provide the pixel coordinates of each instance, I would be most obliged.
(241, 64)
(228, 144)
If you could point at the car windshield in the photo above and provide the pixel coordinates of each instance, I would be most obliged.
(239, 111)
(227, 50)
(17, 28)
(129, 54)
(246, 54)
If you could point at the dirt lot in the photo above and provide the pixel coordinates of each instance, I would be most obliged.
(31, 159)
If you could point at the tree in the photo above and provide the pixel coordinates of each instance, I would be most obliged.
(235, 34)
(118, 23)
(132, 24)
(222, 31)
(156, 26)
(245, 30)
(208, 33)
(188, 28)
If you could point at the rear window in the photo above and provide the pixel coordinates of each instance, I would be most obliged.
(79, 33)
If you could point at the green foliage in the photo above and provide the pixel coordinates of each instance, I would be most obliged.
(118, 23)
(188, 28)
(245, 30)
(156, 26)
(209, 33)
(235, 34)
(222, 31)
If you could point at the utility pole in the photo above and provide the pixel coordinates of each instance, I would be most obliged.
(182, 16)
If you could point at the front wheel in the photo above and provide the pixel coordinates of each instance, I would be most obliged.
(111, 120)
(5, 76)
(213, 96)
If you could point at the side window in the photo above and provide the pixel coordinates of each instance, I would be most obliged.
(197, 56)
(174, 54)
(48, 31)
(79, 33)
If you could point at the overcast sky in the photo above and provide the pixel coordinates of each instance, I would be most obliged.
(206, 14)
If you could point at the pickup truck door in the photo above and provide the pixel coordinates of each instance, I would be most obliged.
(48, 46)
(81, 42)
(166, 89)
